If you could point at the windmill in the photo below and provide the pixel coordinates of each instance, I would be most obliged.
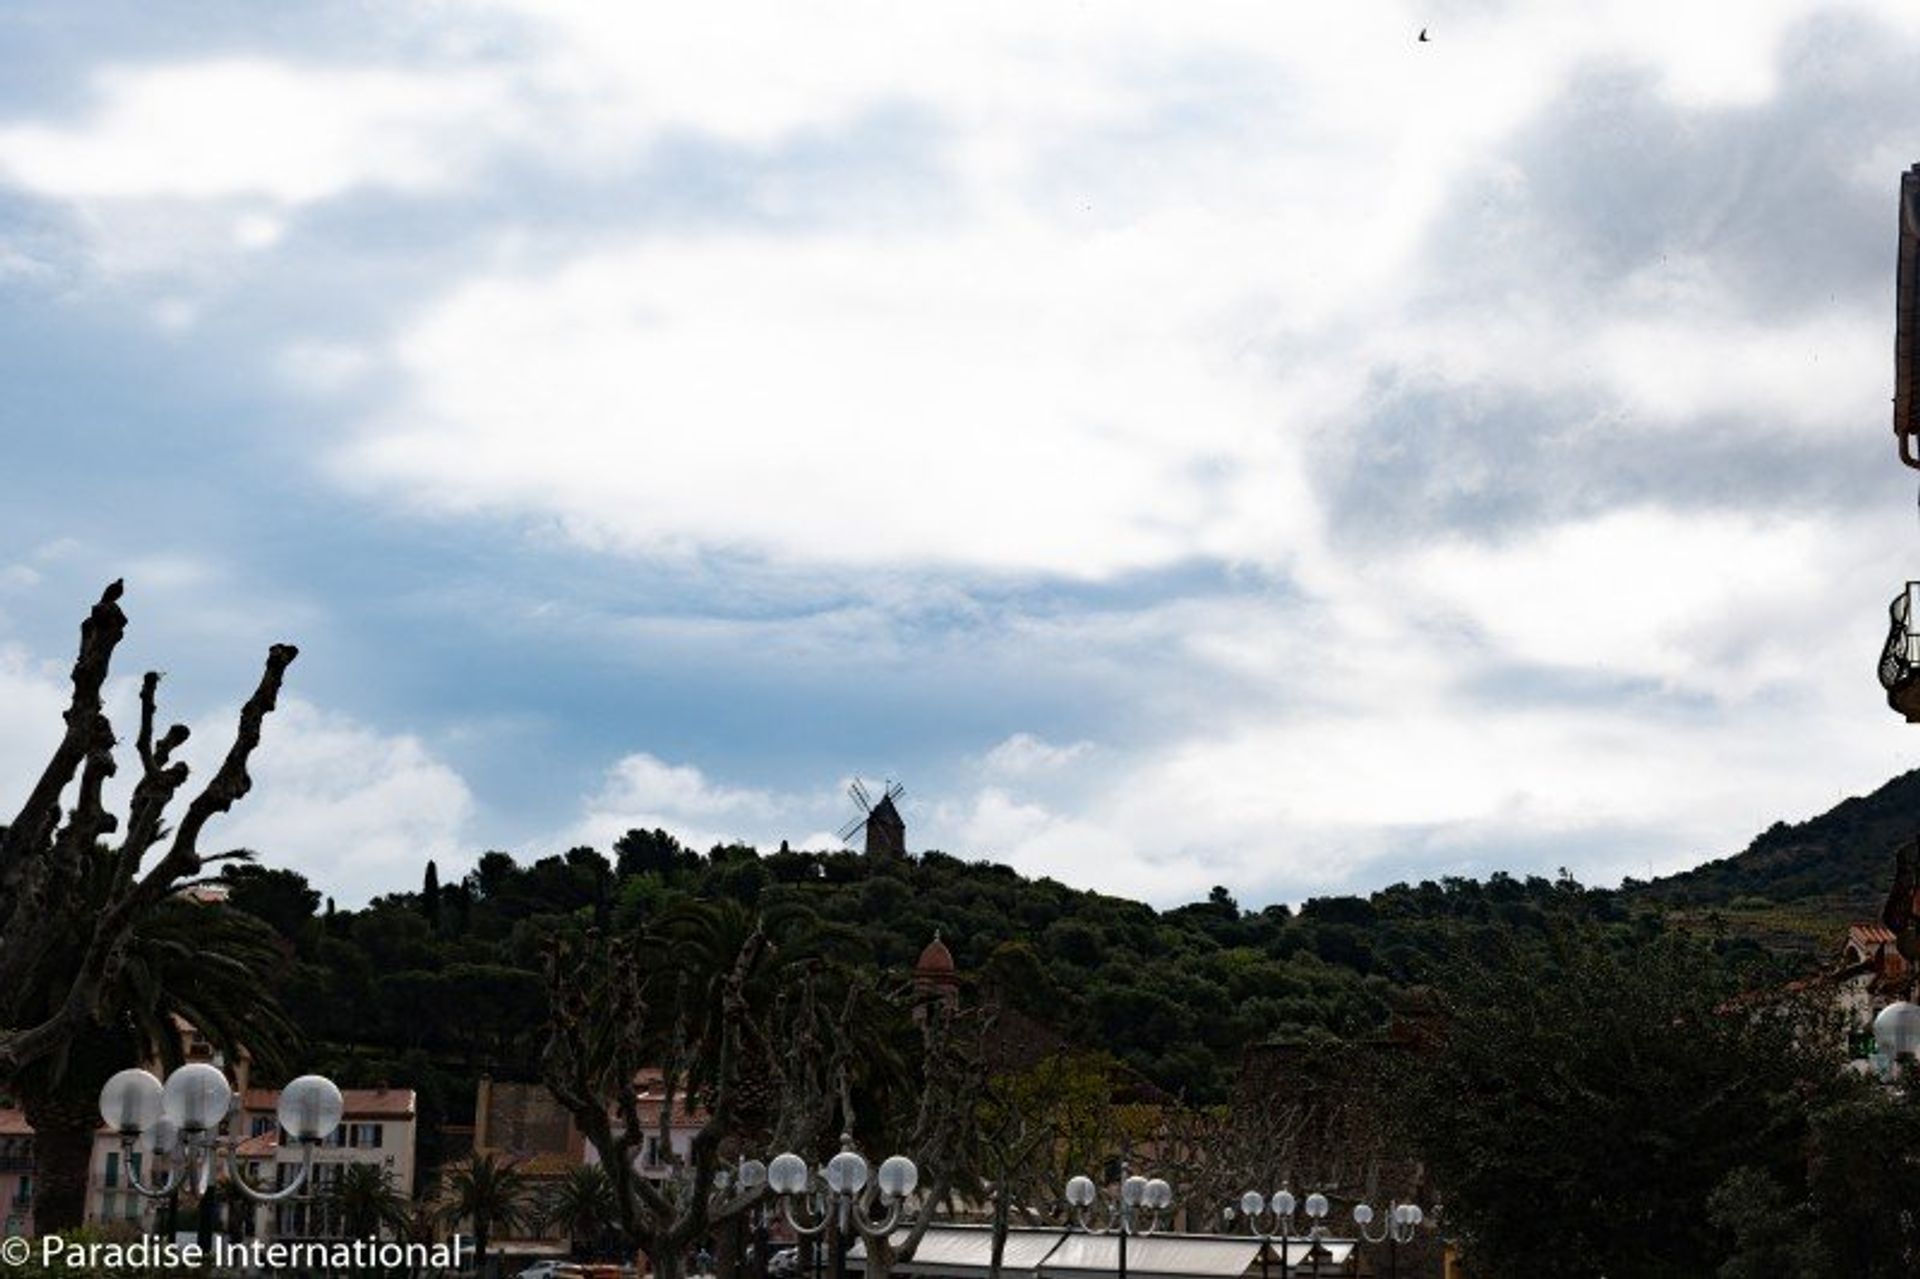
(886, 829)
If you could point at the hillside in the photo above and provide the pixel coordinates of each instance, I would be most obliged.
(1796, 885)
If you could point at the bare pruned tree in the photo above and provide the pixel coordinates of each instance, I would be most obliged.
(603, 1039)
(48, 849)
(770, 1048)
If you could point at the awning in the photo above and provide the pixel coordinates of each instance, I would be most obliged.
(1154, 1257)
(965, 1252)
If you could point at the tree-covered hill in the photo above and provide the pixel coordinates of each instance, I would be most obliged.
(1823, 871)
(431, 988)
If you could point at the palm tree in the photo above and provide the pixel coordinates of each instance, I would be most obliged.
(364, 1201)
(204, 963)
(488, 1193)
(582, 1202)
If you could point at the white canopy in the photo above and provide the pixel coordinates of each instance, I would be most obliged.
(966, 1252)
(1153, 1257)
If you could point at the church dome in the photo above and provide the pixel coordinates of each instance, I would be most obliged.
(935, 960)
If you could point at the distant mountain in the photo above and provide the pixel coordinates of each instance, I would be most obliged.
(1838, 864)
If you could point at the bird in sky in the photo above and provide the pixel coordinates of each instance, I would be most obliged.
(1423, 36)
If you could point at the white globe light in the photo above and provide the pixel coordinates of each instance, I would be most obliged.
(847, 1173)
(310, 1108)
(1316, 1206)
(898, 1177)
(1414, 1215)
(197, 1097)
(753, 1175)
(130, 1102)
(1252, 1202)
(1362, 1214)
(1283, 1202)
(787, 1174)
(1080, 1191)
(1159, 1194)
(1133, 1190)
(1897, 1029)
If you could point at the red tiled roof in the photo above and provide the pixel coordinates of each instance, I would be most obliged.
(360, 1103)
(1870, 934)
(13, 1123)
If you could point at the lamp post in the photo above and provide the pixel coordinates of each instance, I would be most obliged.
(751, 1176)
(840, 1194)
(1124, 1210)
(1275, 1218)
(1278, 1216)
(1397, 1228)
(183, 1118)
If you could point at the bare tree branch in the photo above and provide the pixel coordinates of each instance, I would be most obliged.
(40, 859)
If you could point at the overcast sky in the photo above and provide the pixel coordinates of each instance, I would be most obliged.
(1187, 445)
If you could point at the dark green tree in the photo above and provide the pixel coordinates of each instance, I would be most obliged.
(1585, 1098)
(581, 1203)
(364, 1203)
(430, 895)
(486, 1194)
(281, 897)
(203, 963)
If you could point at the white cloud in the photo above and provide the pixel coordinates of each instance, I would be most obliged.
(32, 700)
(1135, 268)
(1023, 754)
(240, 128)
(357, 810)
(995, 400)
(642, 792)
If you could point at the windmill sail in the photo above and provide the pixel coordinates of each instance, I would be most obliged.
(886, 829)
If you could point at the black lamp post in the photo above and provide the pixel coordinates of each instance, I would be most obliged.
(1135, 1210)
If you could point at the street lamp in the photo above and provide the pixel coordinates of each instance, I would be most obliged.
(1896, 1031)
(184, 1117)
(751, 1177)
(1279, 1213)
(840, 1193)
(1124, 1210)
(1397, 1228)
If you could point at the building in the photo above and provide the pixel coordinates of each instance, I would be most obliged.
(936, 981)
(654, 1161)
(378, 1127)
(522, 1123)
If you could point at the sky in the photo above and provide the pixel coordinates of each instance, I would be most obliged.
(1239, 444)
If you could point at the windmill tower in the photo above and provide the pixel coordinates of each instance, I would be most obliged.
(886, 829)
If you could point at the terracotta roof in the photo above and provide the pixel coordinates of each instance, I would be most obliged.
(361, 1103)
(259, 1147)
(936, 958)
(1871, 934)
(13, 1123)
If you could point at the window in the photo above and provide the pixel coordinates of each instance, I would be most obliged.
(364, 1136)
(262, 1124)
(113, 1173)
